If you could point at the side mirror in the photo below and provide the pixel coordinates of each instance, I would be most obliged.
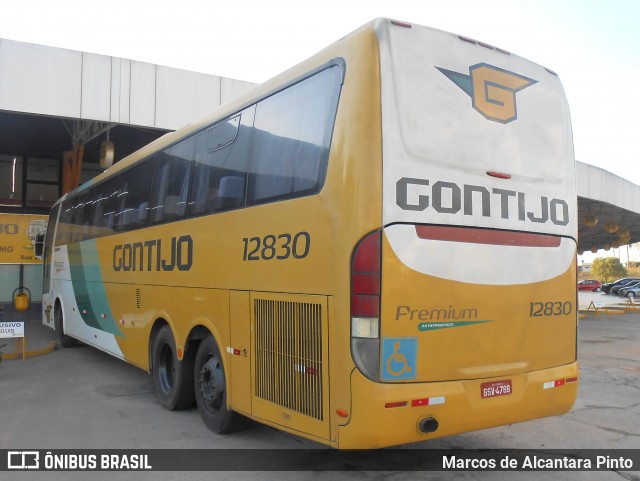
(38, 245)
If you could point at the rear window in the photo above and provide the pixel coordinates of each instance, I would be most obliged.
(476, 109)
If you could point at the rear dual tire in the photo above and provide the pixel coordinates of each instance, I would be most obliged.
(199, 378)
(210, 387)
(172, 378)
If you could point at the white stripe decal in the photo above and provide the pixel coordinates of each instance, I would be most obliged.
(477, 263)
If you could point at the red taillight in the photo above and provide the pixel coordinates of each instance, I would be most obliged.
(398, 404)
(486, 236)
(365, 306)
(365, 278)
(365, 283)
(366, 258)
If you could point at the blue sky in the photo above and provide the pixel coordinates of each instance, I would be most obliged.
(594, 45)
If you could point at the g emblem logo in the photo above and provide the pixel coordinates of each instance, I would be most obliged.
(492, 90)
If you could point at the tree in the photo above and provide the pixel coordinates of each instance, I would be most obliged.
(608, 268)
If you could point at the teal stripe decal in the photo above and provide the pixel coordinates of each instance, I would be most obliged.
(88, 287)
(434, 326)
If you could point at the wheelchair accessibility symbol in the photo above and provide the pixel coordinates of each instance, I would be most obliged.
(399, 358)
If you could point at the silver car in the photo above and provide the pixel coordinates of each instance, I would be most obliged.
(633, 291)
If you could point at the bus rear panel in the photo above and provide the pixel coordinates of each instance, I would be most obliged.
(473, 317)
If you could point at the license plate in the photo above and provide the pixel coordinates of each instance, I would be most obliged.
(495, 388)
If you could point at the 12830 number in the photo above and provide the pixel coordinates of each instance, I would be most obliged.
(544, 309)
(280, 247)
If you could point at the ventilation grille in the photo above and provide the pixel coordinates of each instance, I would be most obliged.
(138, 301)
(288, 355)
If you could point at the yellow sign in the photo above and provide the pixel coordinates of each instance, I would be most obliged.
(17, 237)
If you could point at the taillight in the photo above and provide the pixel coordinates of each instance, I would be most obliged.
(365, 287)
(365, 305)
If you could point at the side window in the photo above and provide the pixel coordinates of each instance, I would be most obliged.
(98, 202)
(170, 186)
(292, 135)
(221, 154)
(223, 134)
(105, 206)
(132, 200)
(64, 224)
(81, 217)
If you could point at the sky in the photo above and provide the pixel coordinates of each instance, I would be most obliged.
(594, 45)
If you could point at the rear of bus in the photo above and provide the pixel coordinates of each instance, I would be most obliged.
(473, 321)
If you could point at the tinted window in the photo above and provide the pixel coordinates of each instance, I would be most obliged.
(170, 189)
(222, 134)
(62, 234)
(292, 135)
(81, 218)
(273, 150)
(105, 206)
(219, 177)
(117, 204)
(131, 203)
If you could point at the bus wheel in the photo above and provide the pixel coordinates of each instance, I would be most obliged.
(65, 341)
(211, 390)
(172, 378)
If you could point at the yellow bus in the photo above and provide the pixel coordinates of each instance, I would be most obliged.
(376, 247)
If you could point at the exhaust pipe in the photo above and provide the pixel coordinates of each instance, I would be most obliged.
(428, 425)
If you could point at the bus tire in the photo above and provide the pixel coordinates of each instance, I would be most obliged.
(63, 339)
(211, 390)
(172, 378)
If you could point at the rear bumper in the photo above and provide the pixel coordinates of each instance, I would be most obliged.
(458, 406)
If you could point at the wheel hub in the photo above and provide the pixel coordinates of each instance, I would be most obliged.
(212, 383)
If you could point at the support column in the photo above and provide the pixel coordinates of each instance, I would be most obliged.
(71, 168)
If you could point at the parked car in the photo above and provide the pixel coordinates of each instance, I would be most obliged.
(631, 292)
(606, 288)
(589, 285)
(621, 290)
(615, 290)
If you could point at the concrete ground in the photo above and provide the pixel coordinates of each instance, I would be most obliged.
(83, 398)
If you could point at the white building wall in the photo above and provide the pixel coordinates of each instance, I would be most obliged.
(184, 96)
(96, 87)
(40, 79)
(142, 97)
(120, 90)
(52, 81)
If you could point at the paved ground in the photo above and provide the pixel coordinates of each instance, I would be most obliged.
(82, 398)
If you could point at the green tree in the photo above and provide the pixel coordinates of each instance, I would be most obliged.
(607, 268)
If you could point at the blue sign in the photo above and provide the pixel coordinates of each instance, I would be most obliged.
(399, 358)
